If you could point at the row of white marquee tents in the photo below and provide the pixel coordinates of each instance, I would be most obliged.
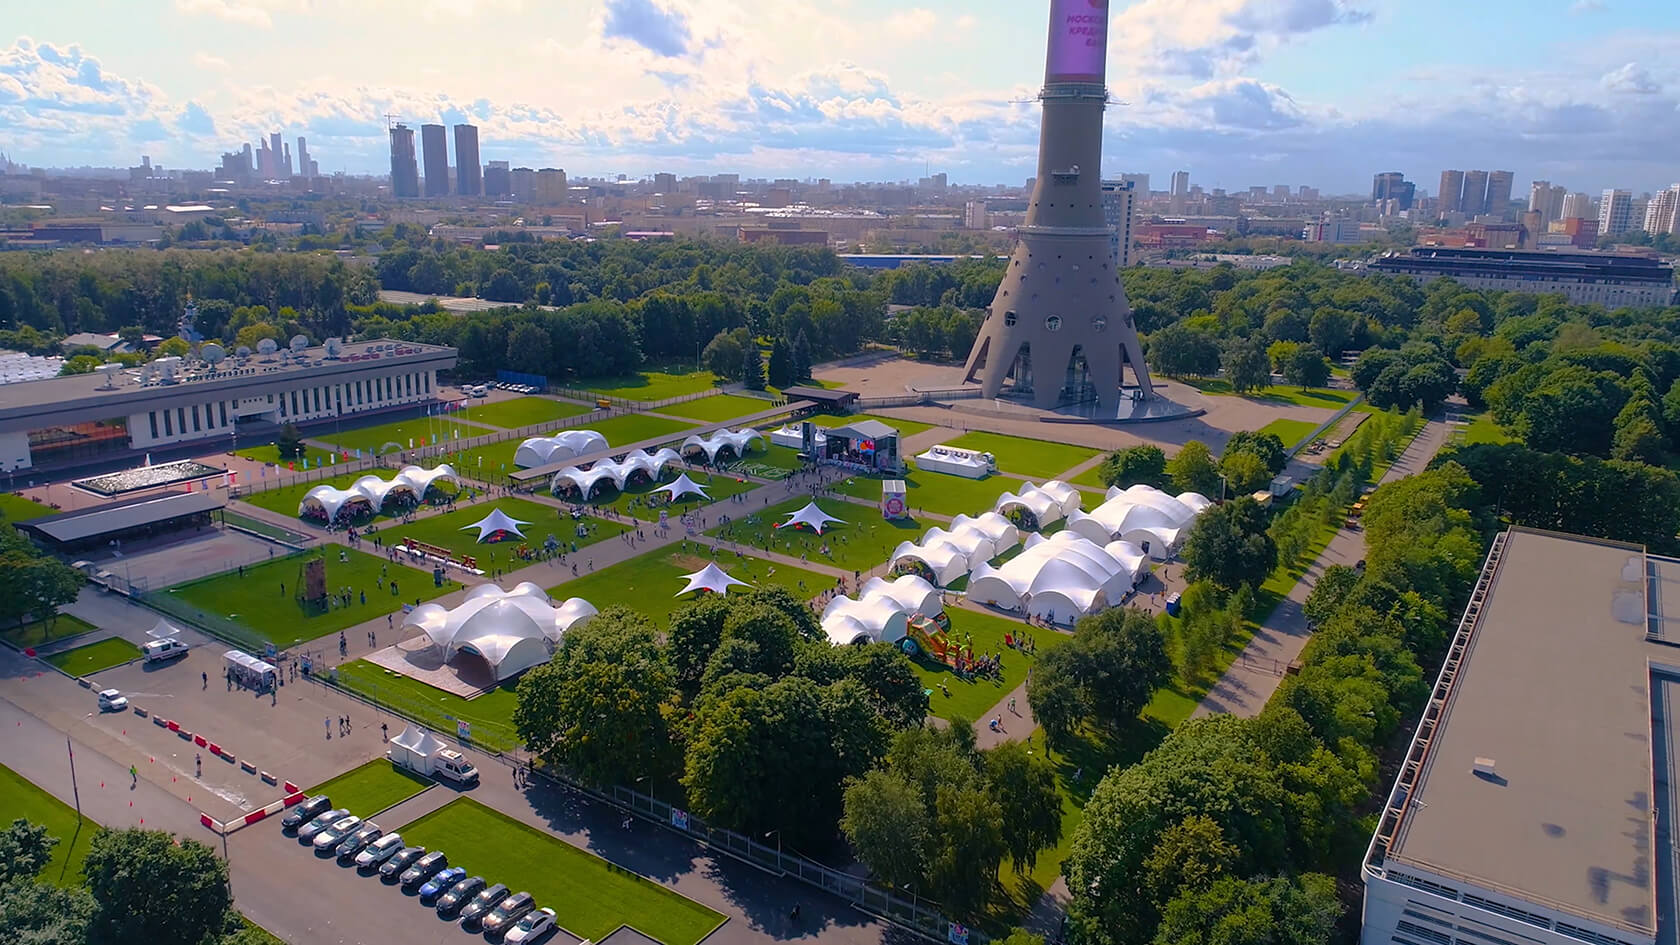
(568, 444)
(373, 490)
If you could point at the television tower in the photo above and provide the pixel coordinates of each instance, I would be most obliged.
(1060, 330)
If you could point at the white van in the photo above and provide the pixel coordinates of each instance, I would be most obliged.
(166, 649)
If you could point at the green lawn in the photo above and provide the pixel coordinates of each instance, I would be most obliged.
(45, 631)
(648, 583)
(264, 600)
(632, 501)
(18, 508)
(1326, 397)
(630, 428)
(405, 434)
(973, 699)
(372, 787)
(1091, 477)
(20, 798)
(1483, 429)
(447, 529)
(490, 713)
(270, 453)
(940, 493)
(718, 408)
(905, 428)
(521, 412)
(590, 897)
(774, 462)
(865, 541)
(90, 658)
(1289, 431)
(1036, 458)
(654, 385)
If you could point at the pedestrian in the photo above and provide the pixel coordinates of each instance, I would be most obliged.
(328, 724)
(199, 760)
(347, 723)
(205, 678)
(384, 732)
(134, 775)
(1012, 706)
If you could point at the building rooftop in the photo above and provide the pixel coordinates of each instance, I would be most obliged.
(1540, 264)
(1536, 779)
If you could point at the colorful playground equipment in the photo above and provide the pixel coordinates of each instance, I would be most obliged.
(927, 635)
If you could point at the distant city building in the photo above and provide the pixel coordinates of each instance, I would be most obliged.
(469, 178)
(550, 186)
(1608, 280)
(405, 173)
(1180, 195)
(1475, 193)
(1451, 199)
(434, 146)
(1546, 200)
(1119, 198)
(1343, 232)
(1386, 185)
(1499, 193)
(498, 181)
(235, 166)
(524, 183)
(1577, 205)
(1140, 184)
(307, 166)
(1615, 213)
(1662, 214)
(975, 216)
(665, 183)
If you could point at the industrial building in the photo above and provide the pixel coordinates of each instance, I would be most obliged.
(1613, 281)
(1535, 802)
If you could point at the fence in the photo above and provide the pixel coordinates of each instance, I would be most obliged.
(492, 735)
(281, 480)
(920, 397)
(1324, 427)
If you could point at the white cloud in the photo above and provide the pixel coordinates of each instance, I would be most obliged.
(243, 12)
(205, 60)
(1631, 79)
(1214, 37)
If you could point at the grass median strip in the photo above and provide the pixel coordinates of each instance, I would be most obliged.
(93, 657)
(371, 788)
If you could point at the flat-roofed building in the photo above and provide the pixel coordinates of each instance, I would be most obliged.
(1535, 802)
(1607, 279)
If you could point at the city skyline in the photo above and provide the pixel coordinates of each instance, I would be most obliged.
(1240, 92)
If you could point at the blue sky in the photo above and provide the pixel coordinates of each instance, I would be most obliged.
(1585, 93)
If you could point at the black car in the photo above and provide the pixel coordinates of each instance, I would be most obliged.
(474, 912)
(424, 869)
(356, 842)
(451, 902)
(512, 909)
(304, 812)
(399, 861)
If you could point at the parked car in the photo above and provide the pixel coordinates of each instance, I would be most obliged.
(423, 869)
(481, 905)
(166, 649)
(451, 902)
(399, 863)
(304, 811)
(511, 910)
(531, 928)
(331, 836)
(309, 831)
(110, 700)
(378, 851)
(358, 841)
(442, 883)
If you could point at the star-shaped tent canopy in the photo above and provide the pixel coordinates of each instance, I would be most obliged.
(811, 517)
(682, 486)
(496, 521)
(710, 578)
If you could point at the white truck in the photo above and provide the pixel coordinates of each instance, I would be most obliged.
(424, 753)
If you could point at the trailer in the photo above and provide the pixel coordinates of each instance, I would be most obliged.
(424, 753)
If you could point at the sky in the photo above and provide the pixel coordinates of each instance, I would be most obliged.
(1584, 93)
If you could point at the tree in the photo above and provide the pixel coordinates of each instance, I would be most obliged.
(528, 350)
(290, 444)
(252, 335)
(887, 825)
(1136, 464)
(32, 584)
(43, 914)
(724, 356)
(1275, 911)
(1268, 446)
(752, 366)
(1178, 350)
(1331, 331)
(1327, 595)
(1306, 366)
(172, 348)
(1245, 366)
(1056, 697)
(781, 364)
(1229, 546)
(25, 850)
(800, 353)
(1122, 661)
(1024, 784)
(1192, 469)
(504, 287)
(1638, 435)
(694, 634)
(149, 887)
(1244, 473)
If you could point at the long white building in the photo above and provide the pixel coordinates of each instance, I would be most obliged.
(1603, 278)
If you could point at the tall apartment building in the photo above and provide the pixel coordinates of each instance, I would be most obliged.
(1180, 192)
(1392, 185)
(1615, 213)
(975, 215)
(1451, 199)
(1577, 205)
(498, 181)
(1499, 193)
(550, 186)
(1475, 193)
(524, 180)
(1119, 198)
(405, 173)
(1662, 214)
(469, 180)
(435, 148)
(1140, 184)
(1546, 200)
(665, 183)
(306, 165)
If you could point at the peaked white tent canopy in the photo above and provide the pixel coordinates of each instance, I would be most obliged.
(617, 473)
(736, 440)
(512, 630)
(373, 491)
(496, 521)
(911, 592)
(418, 742)
(946, 563)
(1001, 531)
(710, 578)
(542, 450)
(881, 612)
(812, 517)
(1060, 577)
(163, 630)
(682, 486)
(1048, 503)
(792, 436)
(1142, 514)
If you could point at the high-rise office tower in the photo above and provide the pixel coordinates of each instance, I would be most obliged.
(1180, 195)
(286, 162)
(1662, 214)
(1475, 193)
(306, 166)
(1499, 193)
(434, 147)
(1392, 185)
(280, 166)
(405, 173)
(665, 184)
(1577, 205)
(498, 181)
(469, 176)
(1119, 197)
(1059, 328)
(1140, 184)
(1451, 198)
(1615, 213)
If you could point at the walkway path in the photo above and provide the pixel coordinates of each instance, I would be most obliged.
(1259, 669)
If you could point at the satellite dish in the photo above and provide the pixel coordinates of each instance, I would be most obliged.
(298, 343)
(333, 348)
(267, 346)
(213, 354)
(110, 371)
(242, 352)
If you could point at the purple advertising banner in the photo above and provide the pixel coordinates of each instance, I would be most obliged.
(1078, 41)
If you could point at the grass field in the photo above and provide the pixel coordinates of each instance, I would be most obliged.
(17, 508)
(865, 541)
(625, 429)
(270, 453)
(973, 699)
(718, 408)
(905, 428)
(1483, 429)
(90, 658)
(632, 500)
(940, 493)
(648, 583)
(1091, 477)
(20, 798)
(1038, 459)
(1289, 431)
(1326, 397)
(405, 434)
(264, 601)
(372, 787)
(285, 499)
(490, 714)
(38, 632)
(590, 897)
(773, 462)
(521, 412)
(654, 385)
(446, 529)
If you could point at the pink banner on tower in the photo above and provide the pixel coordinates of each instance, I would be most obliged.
(1078, 41)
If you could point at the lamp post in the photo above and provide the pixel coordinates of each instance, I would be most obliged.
(778, 834)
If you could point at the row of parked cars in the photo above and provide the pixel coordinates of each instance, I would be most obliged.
(494, 909)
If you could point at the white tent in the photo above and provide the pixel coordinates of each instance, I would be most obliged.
(946, 563)
(881, 612)
(163, 630)
(812, 517)
(1060, 577)
(496, 521)
(617, 473)
(683, 486)
(542, 450)
(1001, 531)
(413, 747)
(512, 630)
(736, 440)
(710, 578)
(373, 490)
(790, 436)
(912, 593)
(1141, 514)
(1048, 503)
(974, 544)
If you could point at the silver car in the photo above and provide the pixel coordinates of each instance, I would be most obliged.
(333, 835)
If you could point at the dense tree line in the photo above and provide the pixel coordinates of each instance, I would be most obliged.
(33, 584)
